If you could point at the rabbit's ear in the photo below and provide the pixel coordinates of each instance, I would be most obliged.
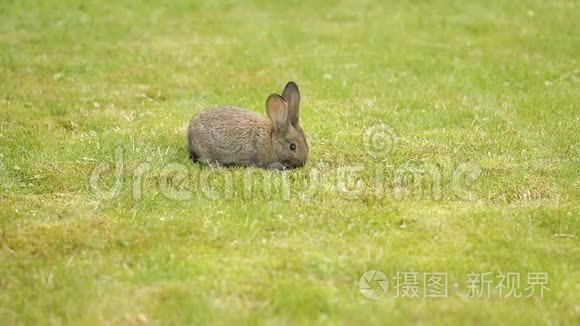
(291, 94)
(277, 110)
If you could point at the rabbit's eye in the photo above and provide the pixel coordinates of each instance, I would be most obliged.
(292, 147)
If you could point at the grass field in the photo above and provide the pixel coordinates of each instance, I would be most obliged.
(443, 138)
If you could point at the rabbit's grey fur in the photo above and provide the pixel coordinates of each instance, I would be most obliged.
(227, 135)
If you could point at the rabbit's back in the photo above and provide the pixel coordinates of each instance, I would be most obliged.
(227, 135)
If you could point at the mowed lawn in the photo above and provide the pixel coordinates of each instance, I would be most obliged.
(443, 139)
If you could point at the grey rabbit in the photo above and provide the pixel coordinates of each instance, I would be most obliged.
(227, 135)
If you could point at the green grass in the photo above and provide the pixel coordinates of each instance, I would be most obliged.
(481, 97)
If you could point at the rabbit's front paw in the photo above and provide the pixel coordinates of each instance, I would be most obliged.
(277, 166)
